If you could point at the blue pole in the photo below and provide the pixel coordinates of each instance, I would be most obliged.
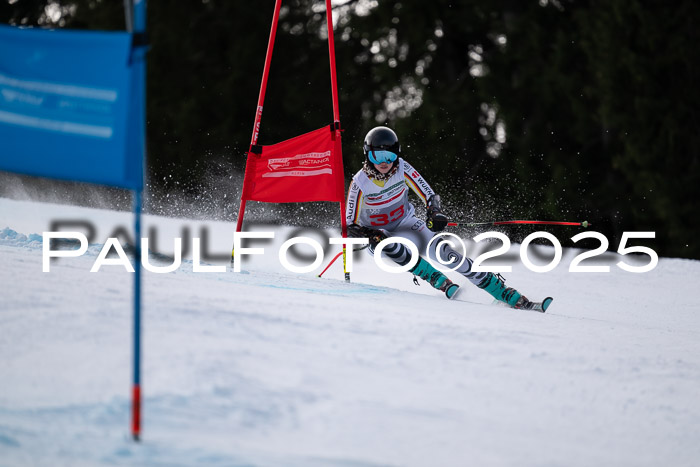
(139, 64)
(140, 15)
(136, 390)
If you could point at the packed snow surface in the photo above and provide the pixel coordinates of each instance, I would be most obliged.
(265, 367)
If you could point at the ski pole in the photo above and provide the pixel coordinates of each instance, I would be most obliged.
(338, 256)
(474, 224)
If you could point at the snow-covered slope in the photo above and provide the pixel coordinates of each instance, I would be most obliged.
(265, 367)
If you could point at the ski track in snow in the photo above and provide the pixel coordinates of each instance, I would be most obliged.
(268, 368)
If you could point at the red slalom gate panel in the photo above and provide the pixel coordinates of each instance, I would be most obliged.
(301, 169)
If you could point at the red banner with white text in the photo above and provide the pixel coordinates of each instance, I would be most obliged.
(301, 169)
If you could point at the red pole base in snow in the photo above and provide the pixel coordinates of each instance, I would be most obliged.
(136, 413)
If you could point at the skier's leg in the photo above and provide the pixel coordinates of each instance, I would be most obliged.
(443, 251)
(494, 284)
(402, 256)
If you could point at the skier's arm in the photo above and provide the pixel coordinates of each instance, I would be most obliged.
(417, 183)
(352, 205)
(374, 236)
(352, 216)
(437, 221)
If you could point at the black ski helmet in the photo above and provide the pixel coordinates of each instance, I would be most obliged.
(381, 138)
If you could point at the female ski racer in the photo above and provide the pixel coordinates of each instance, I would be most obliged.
(378, 208)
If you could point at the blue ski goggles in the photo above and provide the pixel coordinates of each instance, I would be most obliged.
(379, 157)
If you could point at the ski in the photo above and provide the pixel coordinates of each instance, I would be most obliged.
(452, 291)
(527, 305)
(538, 306)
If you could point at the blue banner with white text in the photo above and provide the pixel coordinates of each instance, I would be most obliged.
(71, 106)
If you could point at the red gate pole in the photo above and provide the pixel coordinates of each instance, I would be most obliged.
(259, 109)
(331, 53)
(336, 125)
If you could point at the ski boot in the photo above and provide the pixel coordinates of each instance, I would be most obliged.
(495, 285)
(427, 272)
